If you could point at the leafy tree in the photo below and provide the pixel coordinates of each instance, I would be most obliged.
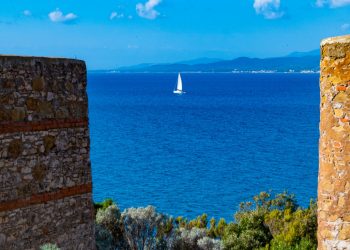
(250, 230)
(144, 228)
(109, 222)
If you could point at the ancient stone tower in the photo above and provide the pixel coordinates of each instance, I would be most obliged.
(45, 177)
(334, 158)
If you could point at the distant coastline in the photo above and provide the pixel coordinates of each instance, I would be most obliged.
(293, 63)
(203, 72)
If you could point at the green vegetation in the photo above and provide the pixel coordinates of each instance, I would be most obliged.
(49, 246)
(266, 223)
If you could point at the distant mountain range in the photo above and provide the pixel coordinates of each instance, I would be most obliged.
(315, 52)
(304, 62)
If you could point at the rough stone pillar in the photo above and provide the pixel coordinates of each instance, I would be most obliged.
(45, 176)
(334, 157)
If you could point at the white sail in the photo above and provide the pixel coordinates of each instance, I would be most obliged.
(179, 83)
(178, 89)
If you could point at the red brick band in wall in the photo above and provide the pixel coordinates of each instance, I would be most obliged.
(45, 197)
(12, 127)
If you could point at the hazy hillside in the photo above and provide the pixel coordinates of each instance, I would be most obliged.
(295, 63)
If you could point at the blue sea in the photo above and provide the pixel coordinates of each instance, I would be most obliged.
(228, 138)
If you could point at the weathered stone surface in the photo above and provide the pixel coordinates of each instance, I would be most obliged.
(38, 83)
(14, 148)
(66, 221)
(43, 88)
(49, 142)
(334, 157)
(64, 152)
(18, 114)
(45, 174)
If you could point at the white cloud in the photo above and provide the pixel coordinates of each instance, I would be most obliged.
(57, 16)
(270, 9)
(345, 27)
(147, 10)
(332, 3)
(27, 13)
(115, 15)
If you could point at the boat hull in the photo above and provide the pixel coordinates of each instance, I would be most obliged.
(178, 92)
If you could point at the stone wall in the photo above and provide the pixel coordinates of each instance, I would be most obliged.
(45, 176)
(334, 157)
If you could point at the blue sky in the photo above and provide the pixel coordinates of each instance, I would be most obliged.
(111, 33)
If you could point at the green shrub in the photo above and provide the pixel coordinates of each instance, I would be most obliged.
(145, 228)
(304, 244)
(104, 239)
(49, 246)
(187, 239)
(207, 243)
(294, 229)
(104, 204)
(110, 222)
(270, 223)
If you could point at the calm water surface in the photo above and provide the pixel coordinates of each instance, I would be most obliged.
(230, 137)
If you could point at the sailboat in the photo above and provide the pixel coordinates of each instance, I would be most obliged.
(178, 89)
